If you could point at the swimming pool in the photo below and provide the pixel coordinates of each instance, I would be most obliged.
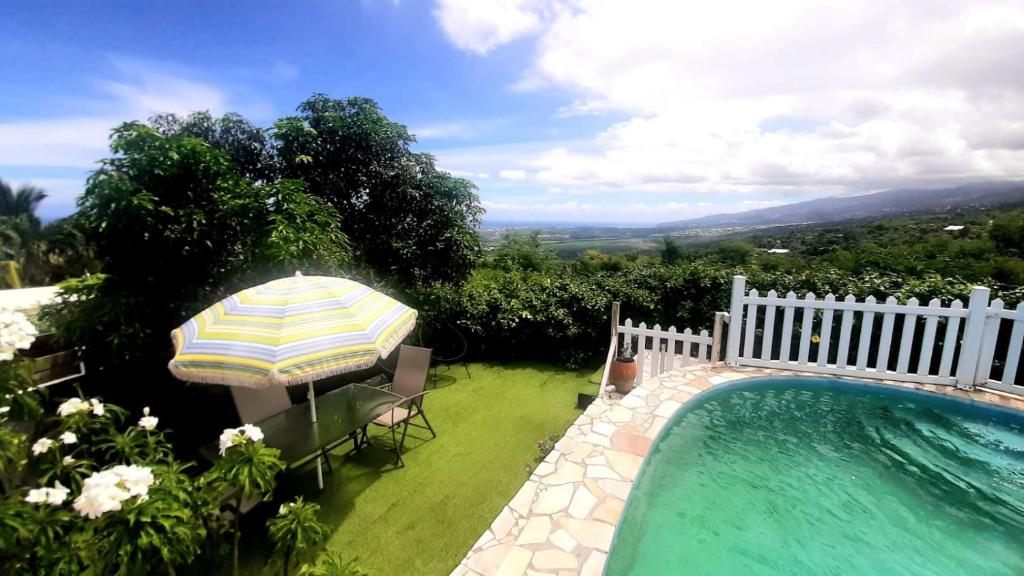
(800, 476)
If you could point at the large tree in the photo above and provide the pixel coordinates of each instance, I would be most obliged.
(177, 228)
(407, 219)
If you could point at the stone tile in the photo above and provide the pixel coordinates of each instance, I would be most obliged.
(553, 499)
(524, 498)
(604, 428)
(597, 440)
(594, 488)
(503, 523)
(655, 427)
(536, 531)
(618, 488)
(593, 534)
(566, 473)
(515, 562)
(581, 451)
(582, 502)
(563, 540)
(544, 468)
(554, 559)
(634, 401)
(631, 443)
(599, 472)
(610, 510)
(594, 565)
(667, 408)
(484, 538)
(619, 413)
(625, 465)
(488, 561)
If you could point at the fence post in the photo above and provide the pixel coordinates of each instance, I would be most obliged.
(615, 319)
(716, 337)
(974, 334)
(732, 350)
(612, 346)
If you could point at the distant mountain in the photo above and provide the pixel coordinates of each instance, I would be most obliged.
(891, 203)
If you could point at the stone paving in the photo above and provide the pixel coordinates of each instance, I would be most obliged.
(561, 521)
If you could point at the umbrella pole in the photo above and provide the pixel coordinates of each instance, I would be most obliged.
(320, 457)
(312, 403)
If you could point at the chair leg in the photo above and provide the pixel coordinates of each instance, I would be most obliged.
(466, 366)
(401, 443)
(398, 448)
(423, 415)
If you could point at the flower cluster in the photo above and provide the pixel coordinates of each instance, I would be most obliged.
(53, 496)
(74, 406)
(104, 491)
(147, 422)
(235, 436)
(16, 332)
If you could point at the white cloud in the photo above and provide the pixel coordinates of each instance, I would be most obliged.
(138, 90)
(512, 174)
(481, 25)
(443, 130)
(777, 98)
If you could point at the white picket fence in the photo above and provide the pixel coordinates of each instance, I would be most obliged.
(958, 345)
(659, 351)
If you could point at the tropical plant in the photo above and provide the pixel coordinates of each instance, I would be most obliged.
(295, 529)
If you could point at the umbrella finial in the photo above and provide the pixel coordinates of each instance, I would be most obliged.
(298, 273)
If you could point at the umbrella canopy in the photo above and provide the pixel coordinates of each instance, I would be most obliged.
(290, 331)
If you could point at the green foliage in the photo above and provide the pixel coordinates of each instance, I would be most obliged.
(671, 251)
(296, 529)
(521, 252)
(333, 564)
(251, 468)
(174, 222)
(407, 220)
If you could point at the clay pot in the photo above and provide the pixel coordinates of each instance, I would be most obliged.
(622, 374)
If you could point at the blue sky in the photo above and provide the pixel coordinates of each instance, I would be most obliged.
(559, 110)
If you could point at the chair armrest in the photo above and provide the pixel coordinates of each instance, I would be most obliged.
(410, 399)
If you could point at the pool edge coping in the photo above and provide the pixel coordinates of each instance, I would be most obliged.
(563, 520)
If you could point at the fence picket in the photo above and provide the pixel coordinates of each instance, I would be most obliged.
(924, 363)
(844, 333)
(787, 327)
(1013, 352)
(702, 348)
(688, 344)
(671, 357)
(769, 327)
(949, 340)
(748, 335)
(806, 328)
(868, 323)
(885, 342)
(988, 346)
(907, 339)
(826, 332)
(656, 351)
(641, 352)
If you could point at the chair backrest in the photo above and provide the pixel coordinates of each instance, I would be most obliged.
(411, 372)
(255, 404)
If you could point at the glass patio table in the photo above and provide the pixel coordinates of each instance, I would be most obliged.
(341, 414)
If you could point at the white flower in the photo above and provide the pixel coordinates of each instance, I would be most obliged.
(136, 479)
(105, 491)
(283, 509)
(147, 422)
(5, 409)
(68, 438)
(53, 496)
(16, 332)
(234, 436)
(97, 407)
(71, 407)
(36, 495)
(68, 460)
(41, 446)
(253, 432)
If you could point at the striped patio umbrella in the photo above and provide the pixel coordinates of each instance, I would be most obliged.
(290, 331)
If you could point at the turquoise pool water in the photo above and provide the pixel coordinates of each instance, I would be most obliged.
(818, 476)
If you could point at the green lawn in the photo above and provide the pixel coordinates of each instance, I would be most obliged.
(423, 518)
